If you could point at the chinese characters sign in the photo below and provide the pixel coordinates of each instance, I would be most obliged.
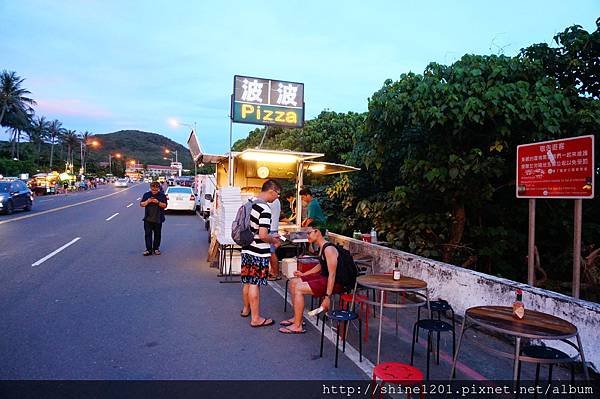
(267, 102)
(556, 169)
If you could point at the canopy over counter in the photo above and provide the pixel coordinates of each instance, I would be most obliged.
(252, 167)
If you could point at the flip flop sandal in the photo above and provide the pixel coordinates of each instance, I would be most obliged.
(146, 253)
(157, 252)
(265, 323)
(285, 330)
(287, 323)
(244, 315)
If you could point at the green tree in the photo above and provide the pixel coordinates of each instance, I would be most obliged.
(439, 152)
(330, 133)
(55, 130)
(71, 139)
(13, 98)
(37, 133)
(574, 63)
(85, 139)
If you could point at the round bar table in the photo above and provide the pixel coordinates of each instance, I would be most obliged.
(534, 325)
(386, 283)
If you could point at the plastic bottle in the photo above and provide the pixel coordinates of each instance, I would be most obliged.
(316, 311)
(373, 235)
(518, 307)
(396, 274)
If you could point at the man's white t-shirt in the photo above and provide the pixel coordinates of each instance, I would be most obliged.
(275, 212)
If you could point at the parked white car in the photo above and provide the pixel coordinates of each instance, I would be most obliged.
(180, 199)
(122, 183)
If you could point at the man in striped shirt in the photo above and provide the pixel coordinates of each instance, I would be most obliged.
(256, 256)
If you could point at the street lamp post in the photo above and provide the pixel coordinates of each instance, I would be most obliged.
(83, 156)
(110, 157)
(176, 123)
(167, 151)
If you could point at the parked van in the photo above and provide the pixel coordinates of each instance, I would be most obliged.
(205, 187)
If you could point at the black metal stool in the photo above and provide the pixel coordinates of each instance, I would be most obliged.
(341, 316)
(545, 354)
(431, 326)
(440, 306)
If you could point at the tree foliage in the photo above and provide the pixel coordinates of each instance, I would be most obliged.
(330, 133)
(437, 152)
(14, 103)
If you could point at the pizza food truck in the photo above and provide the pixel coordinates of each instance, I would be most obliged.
(240, 176)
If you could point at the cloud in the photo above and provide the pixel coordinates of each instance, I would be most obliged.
(71, 107)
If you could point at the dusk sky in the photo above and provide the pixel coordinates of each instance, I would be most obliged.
(104, 65)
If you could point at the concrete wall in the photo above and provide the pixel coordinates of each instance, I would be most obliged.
(464, 288)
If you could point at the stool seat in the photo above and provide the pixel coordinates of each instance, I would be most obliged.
(434, 325)
(439, 306)
(544, 352)
(393, 371)
(342, 315)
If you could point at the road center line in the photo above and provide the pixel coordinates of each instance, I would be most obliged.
(62, 207)
(45, 258)
(129, 205)
(139, 198)
(112, 216)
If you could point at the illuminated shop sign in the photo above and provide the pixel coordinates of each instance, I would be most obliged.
(267, 102)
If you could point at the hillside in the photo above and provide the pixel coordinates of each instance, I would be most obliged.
(144, 147)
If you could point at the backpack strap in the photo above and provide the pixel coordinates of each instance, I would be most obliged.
(322, 253)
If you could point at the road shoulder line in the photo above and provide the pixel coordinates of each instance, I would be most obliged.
(51, 254)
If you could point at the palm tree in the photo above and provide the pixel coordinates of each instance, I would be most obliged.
(17, 122)
(85, 139)
(71, 139)
(55, 130)
(12, 97)
(38, 132)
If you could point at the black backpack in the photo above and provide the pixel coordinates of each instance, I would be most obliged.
(347, 271)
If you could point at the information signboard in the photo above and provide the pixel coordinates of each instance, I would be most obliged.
(267, 102)
(556, 169)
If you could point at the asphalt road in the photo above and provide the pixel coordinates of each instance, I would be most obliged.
(79, 301)
(98, 309)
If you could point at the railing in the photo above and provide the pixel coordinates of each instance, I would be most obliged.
(464, 288)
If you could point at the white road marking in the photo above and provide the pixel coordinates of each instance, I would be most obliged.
(112, 216)
(129, 205)
(45, 258)
(351, 353)
(139, 198)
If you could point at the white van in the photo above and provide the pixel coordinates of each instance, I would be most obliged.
(205, 187)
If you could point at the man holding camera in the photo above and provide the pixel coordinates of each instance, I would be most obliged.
(154, 203)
